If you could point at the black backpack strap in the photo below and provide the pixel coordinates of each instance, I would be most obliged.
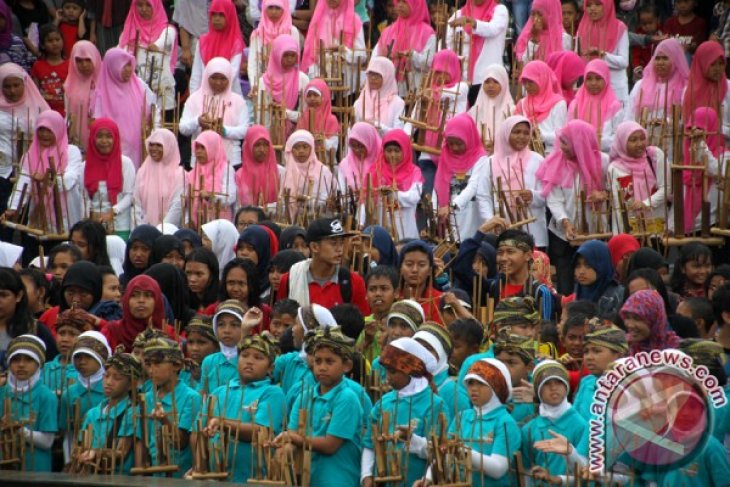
(344, 279)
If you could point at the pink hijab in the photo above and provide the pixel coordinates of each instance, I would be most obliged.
(324, 122)
(484, 13)
(652, 88)
(642, 176)
(267, 30)
(78, 88)
(31, 102)
(405, 174)
(38, 157)
(377, 102)
(558, 171)
(704, 118)
(595, 109)
(282, 84)
(226, 43)
(568, 67)
(111, 91)
(461, 127)
(701, 92)
(257, 179)
(158, 182)
(149, 30)
(489, 113)
(551, 37)
(298, 174)
(353, 168)
(212, 170)
(506, 162)
(603, 34)
(537, 107)
(445, 61)
(327, 25)
(406, 34)
(233, 102)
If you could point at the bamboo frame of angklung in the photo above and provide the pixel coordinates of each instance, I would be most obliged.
(167, 438)
(12, 440)
(449, 461)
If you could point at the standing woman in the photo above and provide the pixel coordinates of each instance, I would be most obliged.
(223, 39)
(363, 149)
(160, 181)
(105, 163)
(83, 73)
(494, 104)
(149, 36)
(576, 165)
(543, 33)
(258, 178)
(462, 154)
(121, 96)
(395, 176)
(379, 103)
(707, 85)
(601, 35)
(597, 104)
(216, 99)
(305, 176)
(275, 21)
(543, 104)
(51, 142)
(410, 42)
(637, 172)
(483, 25)
(568, 68)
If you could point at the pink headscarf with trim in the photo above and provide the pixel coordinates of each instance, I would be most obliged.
(282, 84)
(484, 13)
(506, 162)
(568, 67)
(551, 37)
(78, 88)
(445, 61)
(32, 101)
(298, 174)
(122, 102)
(406, 34)
(149, 30)
(377, 102)
(595, 109)
(642, 176)
(326, 26)
(158, 182)
(652, 88)
(405, 174)
(558, 170)
(253, 178)
(702, 92)
(211, 171)
(353, 168)
(324, 121)
(461, 127)
(537, 107)
(603, 34)
(233, 102)
(226, 43)
(267, 30)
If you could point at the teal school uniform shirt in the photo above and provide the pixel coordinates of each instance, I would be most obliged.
(455, 398)
(469, 361)
(187, 404)
(421, 410)
(335, 413)
(259, 402)
(108, 425)
(722, 419)
(289, 370)
(570, 424)
(38, 404)
(495, 432)
(58, 376)
(522, 412)
(711, 468)
(216, 371)
(584, 396)
(85, 397)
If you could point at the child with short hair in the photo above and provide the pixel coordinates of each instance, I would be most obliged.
(51, 70)
(403, 319)
(111, 422)
(201, 342)
(31, 402)
(517, 353)
(691, 269)
(687, 24)
(71, 22)
(649, 32)
(381, 285)
(111, 290)
(467, 336)
(283, 317)
(59, 373)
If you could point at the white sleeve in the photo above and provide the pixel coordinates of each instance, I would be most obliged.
(125, 198)
(253, 13)
(410, 198)
(495, 466)
(555, 121)
(630, 110)
(556, 203)
(74, 169)
(470, 191)
(236, 65)
(238, 131)
(23, 180)
(188, 121)
(418, 446)
(253, 58)
(331, 143)
(485, 198)
(196, 76)
(495, 27)
(174, 214)
(228, 187)
(139, 216)
(725, 115)
(422, 59)
(619, 59)
(167, 41)
(367, 462)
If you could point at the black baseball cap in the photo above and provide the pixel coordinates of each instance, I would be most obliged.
(323, 228)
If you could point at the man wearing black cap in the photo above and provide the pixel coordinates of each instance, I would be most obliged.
(321, 279)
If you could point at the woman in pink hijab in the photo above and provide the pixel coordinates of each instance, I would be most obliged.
(276, 20)
(19, 97)
(707, 85)
(50, 143)
(379, 103)
(410, 42)
(83, 73)
(121, 96)
(317, 117)
(308, 180)
(543, 33)
(597, 104)
(494, 104)
(543, 104)
(636, 175)
(160, 181)
(257, 180)
(223, 39)
(568, 68)
(363, 148)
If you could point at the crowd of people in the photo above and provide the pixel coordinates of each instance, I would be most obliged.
(357, 230)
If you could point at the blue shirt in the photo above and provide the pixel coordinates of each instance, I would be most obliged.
(289, 370)
(58, 376)
(584, 396)
(109, 425)
(455, 398)
(570, 424)
(85, 398)
(217, 371)
(710, 469)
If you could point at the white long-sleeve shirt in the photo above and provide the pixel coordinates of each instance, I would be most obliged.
(532, 48)
(618, 61)
(420, 62)
(226, 196)
(253, 12)
(466, 205)
(196, 77)
(608, 131)
(405, 214)
(173, 217)
(393, 121)
(232, 134)
(160, 81)
(255, 50)
(123, 208)
(349, 69)
(556, 119)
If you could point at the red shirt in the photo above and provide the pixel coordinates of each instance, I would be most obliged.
(329, 295)
(697, 28)
(70, 34)
(50, 82)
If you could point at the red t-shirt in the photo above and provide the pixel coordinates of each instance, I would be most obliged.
(697, 28)
(50, 81)
(329, 295)
(70, 34)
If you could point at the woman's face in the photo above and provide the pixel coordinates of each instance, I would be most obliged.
(274, 13)
(237, 284)
(155, 151)
(201, 154)
(531, 87)
(8, 302)
(218, 83)
(716, 71)
(594, 9)
(104, 142)
(13, 89)
(80, 241)
(519, 137)
(314, 99)
(595, 84)
(567, 149)
(697, 270)
(289, 60)
(301, 152)
(357, 148)
(455, 145)
(415, 269)
(144, 9)
(393, 154)
(375, 80)
(46, 138)
(637, 330)
(218, 21)
(127, 72)
(198, 275)
(84, 66)
(261, 150)
(441, 78)
(584, 274)
(403, 9)
(175, 258)
(334, 4)
(570, 17)
(636, 144)
(491, 87)
(662, 66)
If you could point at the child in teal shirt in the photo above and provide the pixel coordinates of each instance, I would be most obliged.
(248, 403)
(111, 422)
(31, 402)
(201, 342)
(59, 373)
(517, 352)
(333, 415)
(413, 407)
(219, 368)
